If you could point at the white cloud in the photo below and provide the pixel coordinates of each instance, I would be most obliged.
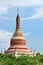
(3, 9)
(26, 34)
(22, 3)
(38, 14)
(4, 34)
(4, 39)
(5, 3)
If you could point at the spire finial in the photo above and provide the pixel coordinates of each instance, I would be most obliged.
(18, 20)
(18, 11)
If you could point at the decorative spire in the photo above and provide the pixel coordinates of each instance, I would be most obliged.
(18, 11)
(17, 21)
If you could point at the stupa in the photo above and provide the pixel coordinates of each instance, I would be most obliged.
(18, 42)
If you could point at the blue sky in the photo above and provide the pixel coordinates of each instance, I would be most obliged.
(31, 19)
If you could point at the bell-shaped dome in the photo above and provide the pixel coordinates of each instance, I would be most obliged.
(18, 38)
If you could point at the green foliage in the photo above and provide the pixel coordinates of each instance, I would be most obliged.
(21, 60)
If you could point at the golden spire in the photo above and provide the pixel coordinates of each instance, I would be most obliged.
(17, 21)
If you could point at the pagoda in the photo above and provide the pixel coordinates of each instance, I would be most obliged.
(18, 42)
